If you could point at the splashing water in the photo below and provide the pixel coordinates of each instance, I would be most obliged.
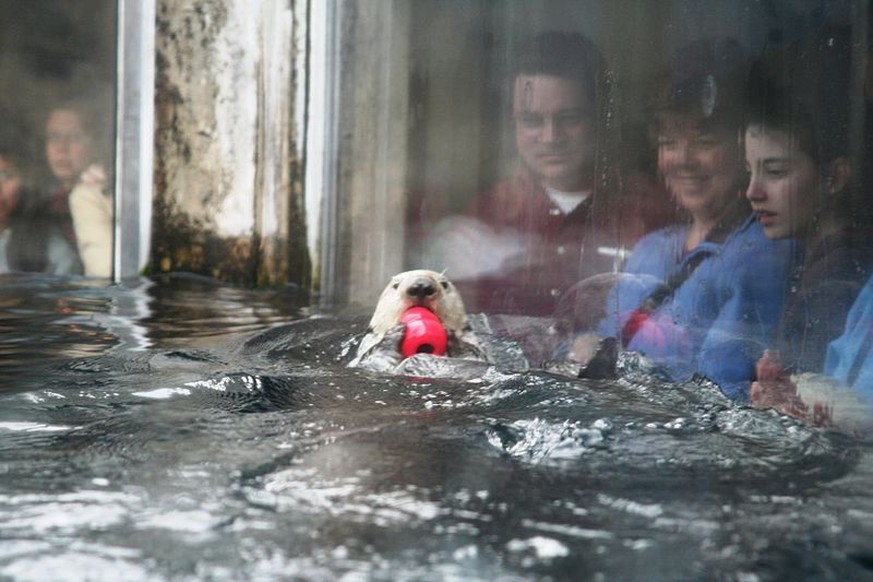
(182, 430)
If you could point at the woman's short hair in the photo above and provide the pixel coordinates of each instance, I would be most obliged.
(704, 81)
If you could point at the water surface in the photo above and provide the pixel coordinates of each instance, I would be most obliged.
(184, 430)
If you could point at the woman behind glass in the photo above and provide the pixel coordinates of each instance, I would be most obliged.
(80, 200)
(29, 238)
(703, 296)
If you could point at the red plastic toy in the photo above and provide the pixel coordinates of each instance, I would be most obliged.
(424, 333)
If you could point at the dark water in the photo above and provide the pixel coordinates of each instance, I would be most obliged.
(181, 430)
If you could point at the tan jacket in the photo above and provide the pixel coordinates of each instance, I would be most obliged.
(92, 214)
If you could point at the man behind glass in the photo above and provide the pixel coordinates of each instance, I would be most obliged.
(559, 218)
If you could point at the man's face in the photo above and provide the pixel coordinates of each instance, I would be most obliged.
(554, 131)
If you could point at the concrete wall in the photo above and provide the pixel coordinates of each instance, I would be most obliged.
(228, 161)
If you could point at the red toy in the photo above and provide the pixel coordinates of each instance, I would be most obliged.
(424, 333)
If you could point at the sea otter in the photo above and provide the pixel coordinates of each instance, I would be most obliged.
(474, 343)
(379, 348)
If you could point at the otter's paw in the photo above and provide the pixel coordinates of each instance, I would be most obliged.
(380, 353)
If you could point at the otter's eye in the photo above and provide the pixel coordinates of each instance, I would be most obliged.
(445, 284)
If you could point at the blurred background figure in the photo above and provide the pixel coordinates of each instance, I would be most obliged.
(702, 296)
(80, 200)
(30, 240)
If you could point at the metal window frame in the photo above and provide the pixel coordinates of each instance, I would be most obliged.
(134, 131)
(322, 68)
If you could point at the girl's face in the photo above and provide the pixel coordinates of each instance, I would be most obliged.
(784, 186)
(67, 145)
(10, 184)
(701, 168)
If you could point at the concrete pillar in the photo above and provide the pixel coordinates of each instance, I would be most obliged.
(228, 161)
(372, 150)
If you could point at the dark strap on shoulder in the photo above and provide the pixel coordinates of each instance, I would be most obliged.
(663, 292)
(659, 296)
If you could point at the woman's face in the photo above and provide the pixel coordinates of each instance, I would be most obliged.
(10, 184)
(67, 145)
(701, 168)
(784, 186)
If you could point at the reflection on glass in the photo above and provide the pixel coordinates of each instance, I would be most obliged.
(58, 69)
(550, 149)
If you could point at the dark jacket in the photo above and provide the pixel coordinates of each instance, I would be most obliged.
(824, 285)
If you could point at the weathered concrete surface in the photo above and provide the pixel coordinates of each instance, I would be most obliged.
(228, 191)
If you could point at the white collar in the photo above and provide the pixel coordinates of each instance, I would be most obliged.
(567, 201)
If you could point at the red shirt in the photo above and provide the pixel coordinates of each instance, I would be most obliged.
(563, 248)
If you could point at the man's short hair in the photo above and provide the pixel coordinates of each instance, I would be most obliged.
(569, 55)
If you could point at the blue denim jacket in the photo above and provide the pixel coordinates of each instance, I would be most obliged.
(850, 356)
(718, 322)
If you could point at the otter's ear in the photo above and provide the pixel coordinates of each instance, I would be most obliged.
(837, 176)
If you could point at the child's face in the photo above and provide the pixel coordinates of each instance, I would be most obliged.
(784, 186)
(67, 145)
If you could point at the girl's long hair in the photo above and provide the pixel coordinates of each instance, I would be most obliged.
(31, 223)
(31, 226)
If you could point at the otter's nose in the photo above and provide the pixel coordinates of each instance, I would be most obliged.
(421, 290)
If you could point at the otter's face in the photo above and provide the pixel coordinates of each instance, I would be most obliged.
(419, 288)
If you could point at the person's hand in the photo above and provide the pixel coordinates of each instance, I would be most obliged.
(775, 389)
(583, 347)
(822, 414)
(769, 367)
(94, 177)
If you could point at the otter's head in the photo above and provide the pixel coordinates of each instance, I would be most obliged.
(419, 288)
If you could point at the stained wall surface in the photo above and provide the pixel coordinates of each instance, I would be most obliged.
(228, 197)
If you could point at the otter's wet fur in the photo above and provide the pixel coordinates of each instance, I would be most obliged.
(379, 349)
